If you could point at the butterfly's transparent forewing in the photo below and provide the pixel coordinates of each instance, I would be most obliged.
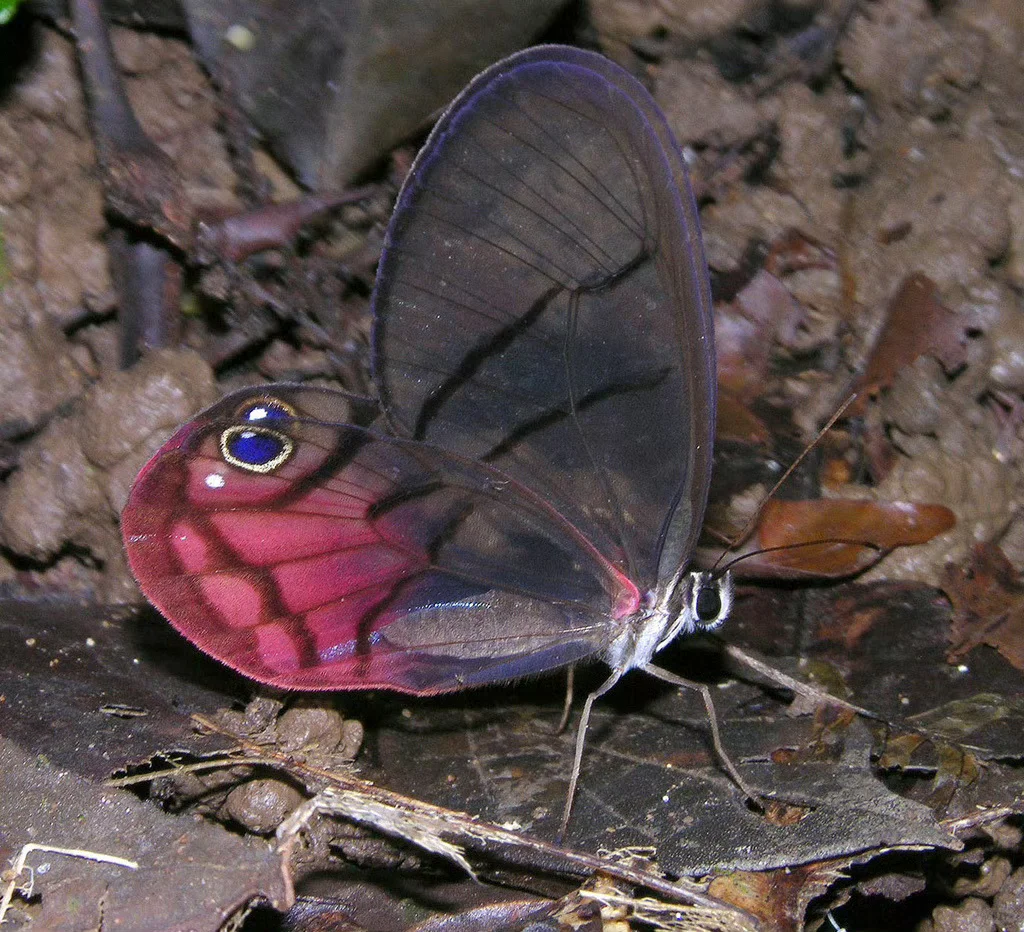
(542, 303)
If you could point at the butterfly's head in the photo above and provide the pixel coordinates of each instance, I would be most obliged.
(699, 602)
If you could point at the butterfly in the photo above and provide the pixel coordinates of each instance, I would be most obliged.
(543, 351)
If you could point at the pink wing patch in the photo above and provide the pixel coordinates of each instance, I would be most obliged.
(361, 562)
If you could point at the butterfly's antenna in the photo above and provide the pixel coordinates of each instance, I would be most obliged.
(820, 542)
(752, 522)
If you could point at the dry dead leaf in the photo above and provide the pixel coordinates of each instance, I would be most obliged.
(917, 324)
(745, 330)
(795, 251)
(853, 535)
(988, 602)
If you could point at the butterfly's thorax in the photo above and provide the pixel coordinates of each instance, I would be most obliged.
(639, 640)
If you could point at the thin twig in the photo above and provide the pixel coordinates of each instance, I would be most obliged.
(218, 763)
(806, 690)
(18, 866)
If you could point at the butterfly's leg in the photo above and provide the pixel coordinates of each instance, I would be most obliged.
(716, 738)
(581, 734)
(570, 679)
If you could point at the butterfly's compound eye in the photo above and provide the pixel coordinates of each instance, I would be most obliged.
(712, 600)
(256, 449)
(708, 604)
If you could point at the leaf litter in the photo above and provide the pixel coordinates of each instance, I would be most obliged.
(886, 241)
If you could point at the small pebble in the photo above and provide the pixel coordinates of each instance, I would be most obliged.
(351, 739)
(302, 727)
(1009, 903)
(987, 882)
(261, 805)
(972, 915)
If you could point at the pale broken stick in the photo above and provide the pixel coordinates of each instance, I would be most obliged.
(806, 690)
(424, 825)
(11, 875)
(433, 828)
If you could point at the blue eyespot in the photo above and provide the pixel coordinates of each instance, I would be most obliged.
(265, 409)
(255, 449)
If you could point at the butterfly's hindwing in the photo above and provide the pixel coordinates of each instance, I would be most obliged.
(363, 560)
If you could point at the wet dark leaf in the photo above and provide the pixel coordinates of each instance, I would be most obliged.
(987, 723)
(333, 87)
(124, 680)
(191, 875)
(649, 777)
